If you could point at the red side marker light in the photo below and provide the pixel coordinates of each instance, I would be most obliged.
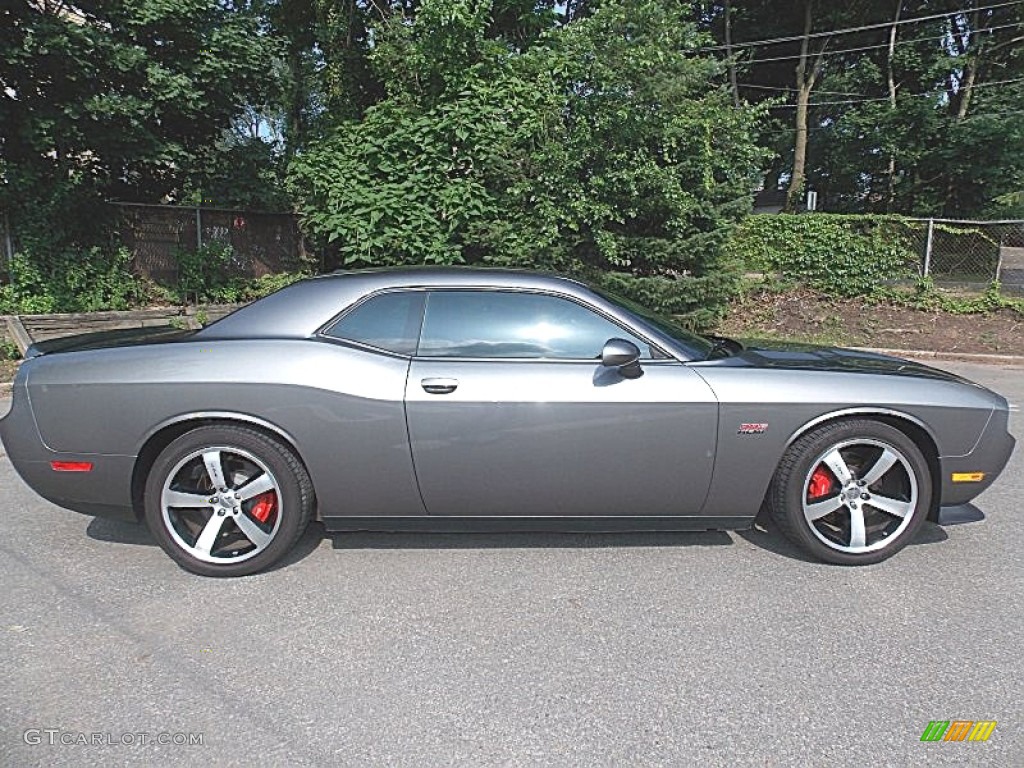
(71, 466)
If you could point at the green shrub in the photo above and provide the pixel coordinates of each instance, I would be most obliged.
(698, 303)
(925, 296)
(267, 284)
(87, 281)
(837, 254)
(95, 279)
(9, 350)
(209, 275)
(206, 274)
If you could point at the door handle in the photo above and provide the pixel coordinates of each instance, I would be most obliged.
(439, 386)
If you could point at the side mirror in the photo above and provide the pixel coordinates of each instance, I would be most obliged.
(623, 355)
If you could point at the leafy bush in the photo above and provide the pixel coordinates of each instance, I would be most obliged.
(211, 275)
(9, 350)
(925, 296)
(94, 280)
(599, 149)
(207, 274)
(75, 282)
(836, 254)
(264, 285)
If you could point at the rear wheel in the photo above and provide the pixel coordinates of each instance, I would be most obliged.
(227, 500)
(853, 492)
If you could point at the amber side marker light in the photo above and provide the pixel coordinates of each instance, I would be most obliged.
(71, 466)
(968, 477)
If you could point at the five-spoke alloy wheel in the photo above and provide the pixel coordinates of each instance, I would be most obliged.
(227, 500)
(852, 492)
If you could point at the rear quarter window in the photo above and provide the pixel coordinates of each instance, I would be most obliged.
(389, 321)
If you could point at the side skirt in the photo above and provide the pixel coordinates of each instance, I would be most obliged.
(531, 524)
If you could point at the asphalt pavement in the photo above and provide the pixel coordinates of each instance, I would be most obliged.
(689, 649)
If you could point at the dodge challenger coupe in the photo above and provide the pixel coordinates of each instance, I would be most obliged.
(469, 399)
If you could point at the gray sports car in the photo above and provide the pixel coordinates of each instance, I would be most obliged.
(444, 399)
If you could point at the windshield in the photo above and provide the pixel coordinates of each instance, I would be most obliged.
(697, 347)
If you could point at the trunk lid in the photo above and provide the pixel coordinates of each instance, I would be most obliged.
(124, 337)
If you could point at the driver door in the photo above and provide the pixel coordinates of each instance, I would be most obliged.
(511, 413)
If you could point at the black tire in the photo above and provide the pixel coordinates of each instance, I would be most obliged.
(831, 538)
(291, 504)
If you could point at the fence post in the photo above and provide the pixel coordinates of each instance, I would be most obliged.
(8, 244)
(199, 228)
(999, 261)
(928, 248)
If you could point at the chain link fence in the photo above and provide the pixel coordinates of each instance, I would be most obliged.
(262, 242)
(970, 254)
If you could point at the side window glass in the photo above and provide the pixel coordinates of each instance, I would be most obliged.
(508, 324)
(390, 321)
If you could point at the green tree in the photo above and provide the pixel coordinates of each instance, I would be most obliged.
(943, 139)
(323, 73)
(106, 99)
(912, 104)
(606, 146)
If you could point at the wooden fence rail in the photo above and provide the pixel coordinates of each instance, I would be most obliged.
(24, 330)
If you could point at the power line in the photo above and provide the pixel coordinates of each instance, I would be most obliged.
(995, 82)
(743, 63)
(830, 103)
(886, 98)
(850, 30)
(782, 131)
(794, 90)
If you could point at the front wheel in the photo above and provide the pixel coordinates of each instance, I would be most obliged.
(227, 500)
(852, 492)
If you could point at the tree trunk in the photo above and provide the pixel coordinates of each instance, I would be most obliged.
(963, 98)
(805, 77)
(293, 125)
(966, 89)
(797, 180)
(728, 54)
(890, 197)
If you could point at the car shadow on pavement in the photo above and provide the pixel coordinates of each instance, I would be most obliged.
(124, 532)
(766, 536)
(762, 535)
(307, 545)
(119, 532)
(527, 540)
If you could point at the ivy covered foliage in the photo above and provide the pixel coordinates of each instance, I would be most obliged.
(601, 150)
(838, 255)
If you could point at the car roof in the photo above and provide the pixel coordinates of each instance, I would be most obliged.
(301, 308)
(423, 276)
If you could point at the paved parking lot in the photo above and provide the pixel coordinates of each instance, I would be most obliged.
(710, 649)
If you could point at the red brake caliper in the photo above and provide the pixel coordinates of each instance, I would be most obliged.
(821, 483)
(265, 506)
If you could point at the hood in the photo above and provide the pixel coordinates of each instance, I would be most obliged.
(125, 337)
(793, 356)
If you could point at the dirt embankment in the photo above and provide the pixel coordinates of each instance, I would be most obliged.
(811, 317)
